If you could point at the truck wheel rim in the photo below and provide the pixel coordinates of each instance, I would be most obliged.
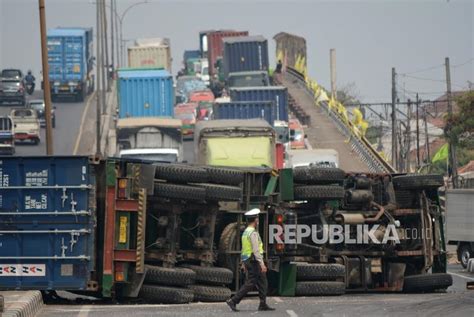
(465, 257)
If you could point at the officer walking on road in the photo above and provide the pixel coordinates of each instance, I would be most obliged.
(252, 258)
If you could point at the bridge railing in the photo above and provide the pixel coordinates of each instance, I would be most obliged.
(358, 142)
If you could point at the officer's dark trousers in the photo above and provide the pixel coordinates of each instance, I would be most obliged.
(256, 279)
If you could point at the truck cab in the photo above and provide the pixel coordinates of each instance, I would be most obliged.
(236, 143)
(158, 139)
(248, 79)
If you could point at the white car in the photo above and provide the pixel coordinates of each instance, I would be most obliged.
(26, 125)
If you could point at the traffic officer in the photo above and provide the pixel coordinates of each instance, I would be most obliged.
(252, 258)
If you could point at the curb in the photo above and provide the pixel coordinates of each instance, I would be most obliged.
(22, 304)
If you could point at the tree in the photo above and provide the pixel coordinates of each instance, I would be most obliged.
(459, 128)
(348, 94)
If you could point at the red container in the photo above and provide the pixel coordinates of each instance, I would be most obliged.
(215, 45)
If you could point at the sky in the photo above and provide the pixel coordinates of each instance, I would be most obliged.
(370, 37)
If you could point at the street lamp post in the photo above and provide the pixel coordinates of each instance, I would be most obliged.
(120, 18)
(120, 53)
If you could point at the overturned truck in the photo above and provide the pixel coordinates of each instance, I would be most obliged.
(170, 233)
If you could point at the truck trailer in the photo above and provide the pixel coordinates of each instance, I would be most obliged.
(126, 228)
(71, 62)
(145, 93)
(460, 221)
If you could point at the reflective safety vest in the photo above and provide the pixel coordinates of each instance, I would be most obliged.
(247, 244)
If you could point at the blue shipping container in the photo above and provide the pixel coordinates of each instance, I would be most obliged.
(69, 54)
(278, 94)
(245, 53)
(245, 110)
(145, 93)
(47, 223)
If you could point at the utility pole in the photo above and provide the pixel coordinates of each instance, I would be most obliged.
(394, 120)
(102, 56)
(98, 73)
(112, 19)
(417, 133)
(106, 45)
(332, 66)
(408, 134)
(453, 162)
(427, 137)
(46, 84)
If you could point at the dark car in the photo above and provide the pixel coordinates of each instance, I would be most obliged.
(12, 90)
(12, 74)
(39, 106)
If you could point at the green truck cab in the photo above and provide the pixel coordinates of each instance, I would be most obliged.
(235, 143)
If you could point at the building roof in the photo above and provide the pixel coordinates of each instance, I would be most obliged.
(469, 167)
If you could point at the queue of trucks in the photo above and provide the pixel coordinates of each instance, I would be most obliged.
(146, 225)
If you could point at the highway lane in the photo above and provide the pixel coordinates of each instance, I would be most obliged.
(68, 120)
(321, 132)
(188, 151)
(456, 301)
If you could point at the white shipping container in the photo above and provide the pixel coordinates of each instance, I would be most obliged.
(150, 57)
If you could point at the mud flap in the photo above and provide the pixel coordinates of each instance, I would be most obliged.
(395, 276)
(133, 288)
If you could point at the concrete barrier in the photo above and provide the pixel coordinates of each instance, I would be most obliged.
(21, 304)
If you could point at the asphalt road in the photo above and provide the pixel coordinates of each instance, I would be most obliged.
(457, 301)
(188, 151)
(68, 120)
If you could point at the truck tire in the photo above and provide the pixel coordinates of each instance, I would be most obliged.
(318, 175)
(169, 276)
(180, 173)
(320, 288)
(407, 199)
(318, 192)
(319, 271)
(211, 275)
(227, 243)
(427, 282)
(415, 181)
(221, 192)
(464, 254)
(166, 295)
(174, 191)
(225, 176)
(204, 293)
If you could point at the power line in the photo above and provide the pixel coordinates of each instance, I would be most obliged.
(462, 64)
(424, 78)
(422, 70)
